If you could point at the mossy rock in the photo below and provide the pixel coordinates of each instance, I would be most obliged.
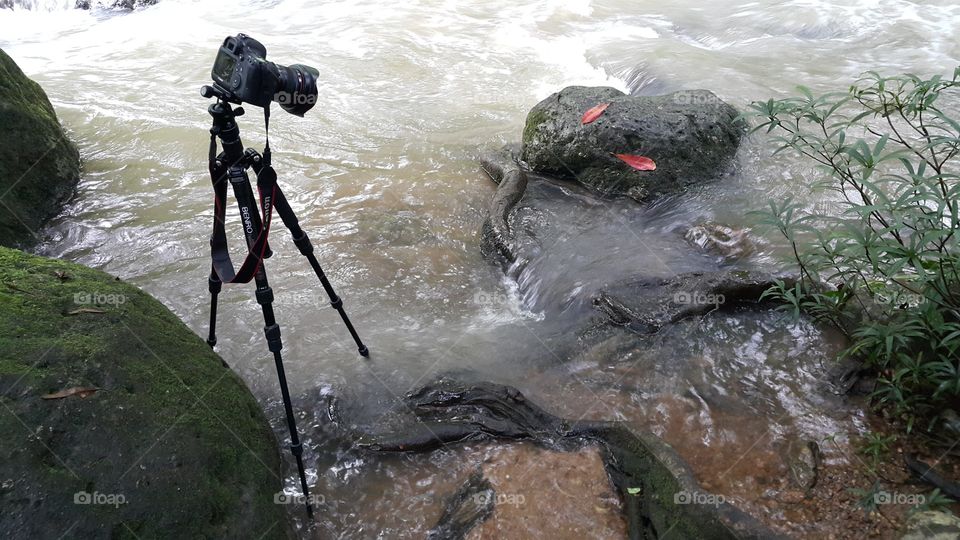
(39, 166)
(171, 444)
(691, 135)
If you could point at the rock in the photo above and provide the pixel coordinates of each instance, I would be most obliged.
(468, 507)
(561, 495)
(116, 4)
(661, 497)
(691, 135)
(132, 4)
(496, 235)
(646, 305)
(39, 166)
(951, 422)
(168, 442)
(932, 525)
(930, 475)
(726, 242)
(803, 459)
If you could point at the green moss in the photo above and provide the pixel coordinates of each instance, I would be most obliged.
(39, 166)
(171, 428)
(535, 118)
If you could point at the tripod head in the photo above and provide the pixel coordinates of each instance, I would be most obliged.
(208, 91)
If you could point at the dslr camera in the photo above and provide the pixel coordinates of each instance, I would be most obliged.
(242, 74)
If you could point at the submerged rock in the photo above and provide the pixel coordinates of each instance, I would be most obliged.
(647, 305)
(661, 498)
(469, 506)
(690, 135)
(119, 421)
(39, 166)
(545, 493)
(726, 242)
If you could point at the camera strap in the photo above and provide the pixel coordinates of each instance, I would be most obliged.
(269, 192)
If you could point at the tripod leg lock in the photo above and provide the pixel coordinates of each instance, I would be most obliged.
(336, 302)
(273, 338)
(265, 296)
(303, 244)
(215, 285)
(297, 449)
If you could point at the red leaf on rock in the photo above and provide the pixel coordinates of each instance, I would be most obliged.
(639, 163)
(593, 113)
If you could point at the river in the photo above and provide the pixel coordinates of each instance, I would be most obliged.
(384, 177)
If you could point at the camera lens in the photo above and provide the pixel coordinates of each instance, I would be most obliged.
(298, 88)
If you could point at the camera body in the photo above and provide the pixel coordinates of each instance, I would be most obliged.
(241, 70)
(243, 74)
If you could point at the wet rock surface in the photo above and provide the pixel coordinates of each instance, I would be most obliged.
(725, 242)
(473, 503)
(691, 135)
(647, 305)
(535, 486)
(647, 474)
(932, 525)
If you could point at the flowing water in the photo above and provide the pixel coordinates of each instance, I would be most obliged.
(383, 174)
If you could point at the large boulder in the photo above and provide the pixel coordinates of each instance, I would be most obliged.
(690, 135)
(118, 421)
(39, 166)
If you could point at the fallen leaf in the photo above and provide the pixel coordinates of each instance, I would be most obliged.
(85, 310)
(639, 163)
(593, 113)
(81, 391)
(634, 490)
(18, 289)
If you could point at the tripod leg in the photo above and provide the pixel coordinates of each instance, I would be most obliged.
(215, 286)
(302, 241)
(272, 331)
(306, 248)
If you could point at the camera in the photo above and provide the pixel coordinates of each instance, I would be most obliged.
(242, 73)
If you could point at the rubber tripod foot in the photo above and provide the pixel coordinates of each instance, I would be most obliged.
(364, 351)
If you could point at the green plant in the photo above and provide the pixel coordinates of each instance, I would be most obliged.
(878, 257)
(876, 447)
(935, 501)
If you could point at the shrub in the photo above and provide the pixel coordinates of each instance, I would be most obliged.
(879, 259)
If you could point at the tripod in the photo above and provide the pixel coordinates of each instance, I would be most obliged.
(231, 166)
